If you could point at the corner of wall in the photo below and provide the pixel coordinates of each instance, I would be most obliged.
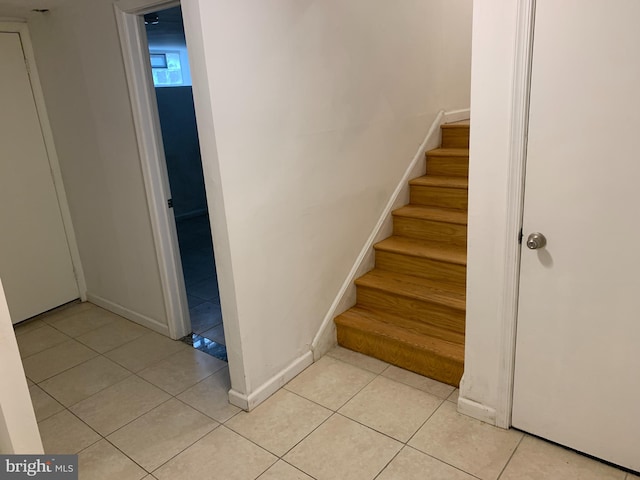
(129, 314)
(477, 410)
(271, 386)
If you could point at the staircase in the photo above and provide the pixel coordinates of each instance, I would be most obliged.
(410, 308)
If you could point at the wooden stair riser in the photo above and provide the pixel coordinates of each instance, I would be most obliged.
(447, 165)
(439, 197)
(440, 232)
(414, 309)
(411, 331)
(455, 137)
(448, 273)
(401, 354)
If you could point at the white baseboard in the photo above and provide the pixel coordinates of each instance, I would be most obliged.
(129, 314)
(271, 386)
(325, 339)
(477, 410)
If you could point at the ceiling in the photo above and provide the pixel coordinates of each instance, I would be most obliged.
(170, 19)
(23, 8)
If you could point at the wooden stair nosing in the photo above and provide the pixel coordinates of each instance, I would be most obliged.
(448, 152)
(439, 166)
(440, 181)
(364, 314)
(431, 231)
(416, 248)
(434, 214)
(412, 356)
(439, 197)
(446, 349)
(416, 288)
(436, 270)
(417, 310)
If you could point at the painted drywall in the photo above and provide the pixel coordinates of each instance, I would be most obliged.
(318, 109)
(82, 74)
(18, 428)
(494, 39)
(182, 150)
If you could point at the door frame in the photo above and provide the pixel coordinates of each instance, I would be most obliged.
(515, 207)
(22, 30)
(135, 52)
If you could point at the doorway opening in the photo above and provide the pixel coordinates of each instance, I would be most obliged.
(169, 65)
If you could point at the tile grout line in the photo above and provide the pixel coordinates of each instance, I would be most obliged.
(171, 397)
(298, 469)
(279, 457)
(425, 422)
(443, 401)
(336, 412)
(389, 462)
(185, 448)
(444, 461)
(510, 457)
(130, 374)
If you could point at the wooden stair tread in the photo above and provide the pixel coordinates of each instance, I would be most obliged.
(369, 321)
(421, 212)
(416, 288)
(440, 181)
(449, 152)
(418, 248)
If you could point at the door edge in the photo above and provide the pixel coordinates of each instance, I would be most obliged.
(515, 206)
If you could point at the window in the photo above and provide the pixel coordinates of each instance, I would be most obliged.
(166, 69)
(158, 60)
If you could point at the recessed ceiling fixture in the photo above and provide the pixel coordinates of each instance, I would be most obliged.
(151, 19)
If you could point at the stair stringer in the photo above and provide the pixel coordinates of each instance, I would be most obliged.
(325, 339)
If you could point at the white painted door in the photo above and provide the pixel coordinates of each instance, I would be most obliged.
(577, 376)
(35, 262)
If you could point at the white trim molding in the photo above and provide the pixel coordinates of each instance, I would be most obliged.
(154, 169)
(515, 205)
(271, 386)
(325, 339)
(22, 29)
(477, 410)
(128, 314)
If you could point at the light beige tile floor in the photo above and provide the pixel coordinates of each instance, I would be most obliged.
(135, 405)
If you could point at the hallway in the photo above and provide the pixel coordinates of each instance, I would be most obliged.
(201, 283)
(134, 403)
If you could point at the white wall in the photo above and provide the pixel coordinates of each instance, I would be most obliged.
(318, 108)
(81, 69)
(494, 38)
(18, 428)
